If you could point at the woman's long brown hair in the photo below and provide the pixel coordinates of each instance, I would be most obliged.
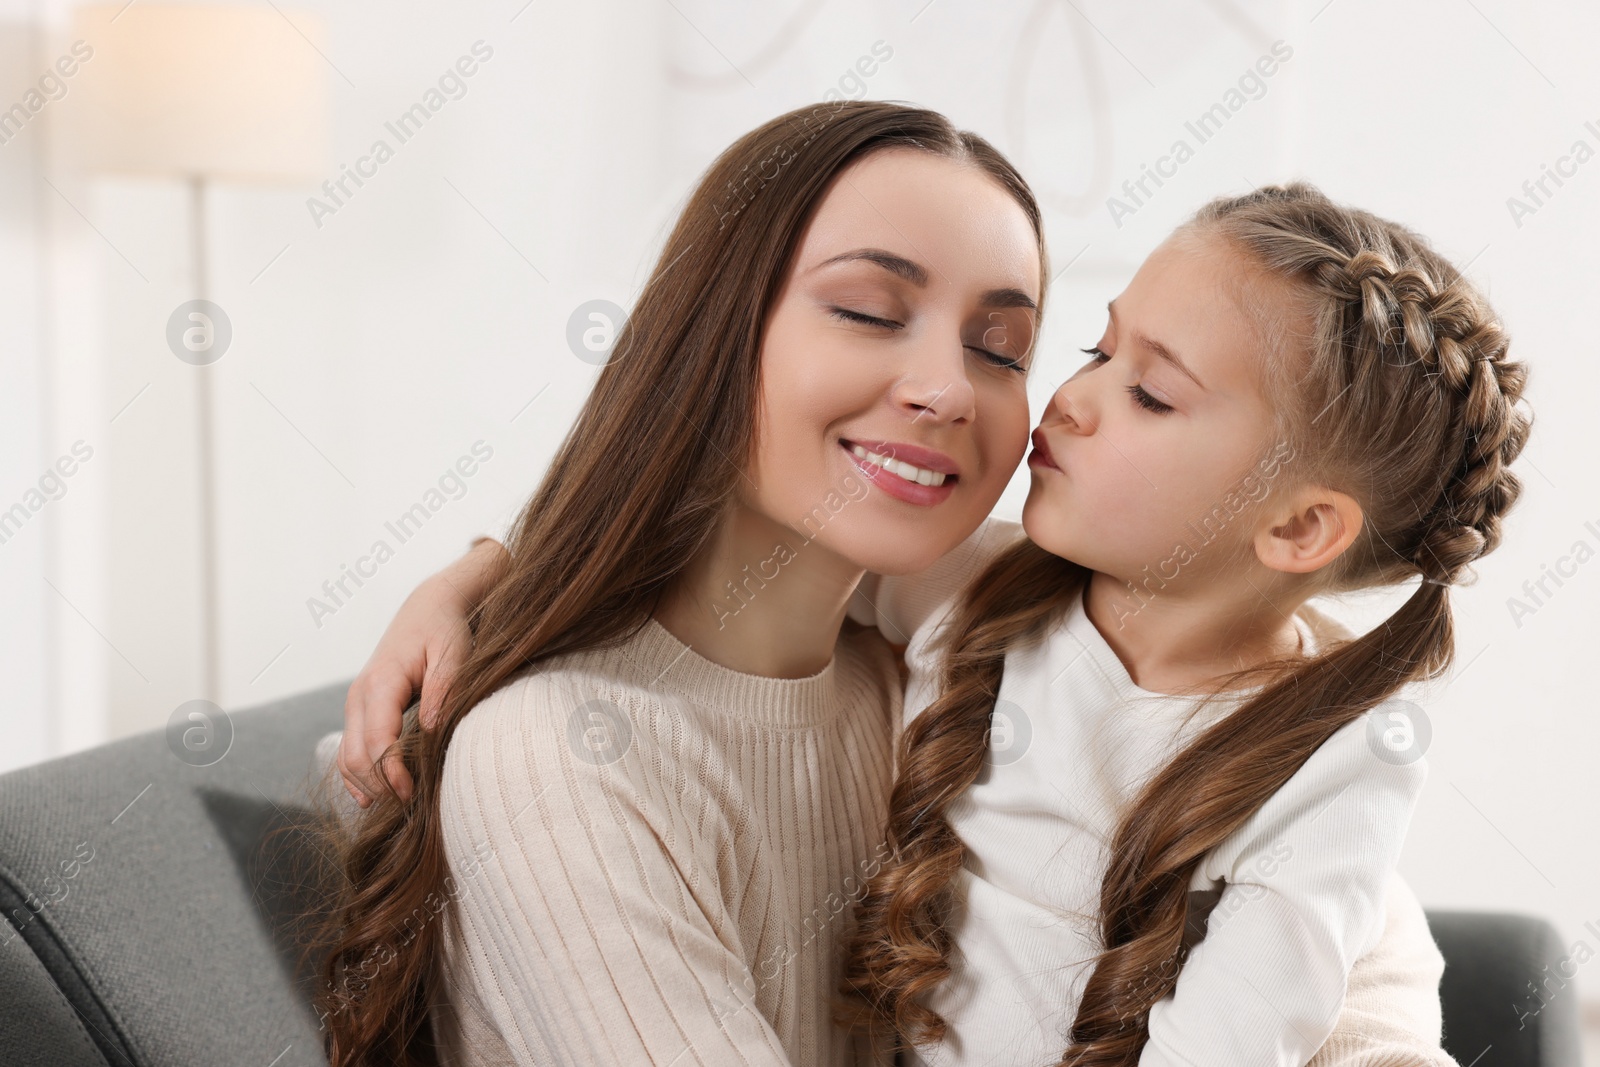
(634, 492)
(1407, 401)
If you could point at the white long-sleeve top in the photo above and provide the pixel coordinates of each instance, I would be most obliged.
(1299, 890)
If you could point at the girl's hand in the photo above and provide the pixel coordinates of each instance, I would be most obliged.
(423, 647)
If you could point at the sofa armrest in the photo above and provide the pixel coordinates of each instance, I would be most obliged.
(1507, 991)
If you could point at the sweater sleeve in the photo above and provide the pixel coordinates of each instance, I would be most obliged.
(585, 941)
(1303, 886)
(1391, 1015)
(899, 604)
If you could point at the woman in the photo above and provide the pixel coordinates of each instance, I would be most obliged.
(656, 782)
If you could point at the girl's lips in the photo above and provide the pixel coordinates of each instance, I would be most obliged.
(1040, 456)
(896, 486)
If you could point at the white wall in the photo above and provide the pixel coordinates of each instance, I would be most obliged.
(28, 730)
(425, 314)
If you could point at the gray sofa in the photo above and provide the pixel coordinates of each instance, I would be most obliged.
(153, 914)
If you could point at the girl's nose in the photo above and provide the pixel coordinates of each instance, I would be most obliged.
(1074, 403)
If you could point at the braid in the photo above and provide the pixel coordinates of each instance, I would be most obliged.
(1493, 432)
(1448, 330)
(902, 945)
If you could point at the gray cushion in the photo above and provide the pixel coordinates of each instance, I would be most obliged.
(175, 942)
(38, 1027)
(1507, 990)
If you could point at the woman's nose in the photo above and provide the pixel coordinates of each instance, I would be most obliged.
(936, 389)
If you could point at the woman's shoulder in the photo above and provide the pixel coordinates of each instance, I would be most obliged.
(530, 714)
(541, 747)
(1393, 734)
(1321, 629)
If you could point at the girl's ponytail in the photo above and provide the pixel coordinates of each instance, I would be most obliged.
(901, 945)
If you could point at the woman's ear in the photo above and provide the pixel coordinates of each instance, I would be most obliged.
(1308, 530)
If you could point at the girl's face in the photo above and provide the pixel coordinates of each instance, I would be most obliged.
(902, 331)
(1158, 441)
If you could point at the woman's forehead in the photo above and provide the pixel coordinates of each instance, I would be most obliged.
(951, 219)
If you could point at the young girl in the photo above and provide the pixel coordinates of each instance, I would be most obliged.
(1148, 797)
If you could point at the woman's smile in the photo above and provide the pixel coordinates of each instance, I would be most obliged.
(907, 472)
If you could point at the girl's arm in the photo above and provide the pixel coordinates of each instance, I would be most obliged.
(1304, 888)
(425, 644)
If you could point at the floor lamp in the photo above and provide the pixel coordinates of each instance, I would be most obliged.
(202, 93)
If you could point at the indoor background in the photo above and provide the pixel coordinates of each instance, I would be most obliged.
(183, 500)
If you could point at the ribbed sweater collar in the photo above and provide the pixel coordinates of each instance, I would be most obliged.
(657, 661)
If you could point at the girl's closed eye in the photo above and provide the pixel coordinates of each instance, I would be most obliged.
(1140, 396)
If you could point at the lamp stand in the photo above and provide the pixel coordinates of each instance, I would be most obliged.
(205, 447)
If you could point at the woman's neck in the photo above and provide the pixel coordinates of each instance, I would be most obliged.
(761, 599)
(1182, 643)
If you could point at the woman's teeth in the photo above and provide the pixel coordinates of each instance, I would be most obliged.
(903, 469)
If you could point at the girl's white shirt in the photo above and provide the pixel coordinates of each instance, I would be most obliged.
(1287, 902)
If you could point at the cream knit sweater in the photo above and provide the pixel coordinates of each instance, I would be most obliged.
(658, 856)
(654, 858)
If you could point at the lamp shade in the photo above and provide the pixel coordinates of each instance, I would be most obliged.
(206, 91)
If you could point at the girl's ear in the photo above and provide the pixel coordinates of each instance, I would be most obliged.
(1308, 530)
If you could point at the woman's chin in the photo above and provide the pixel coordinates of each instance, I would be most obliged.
(898, 551)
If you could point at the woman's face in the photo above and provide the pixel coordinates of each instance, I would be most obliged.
(894, 362)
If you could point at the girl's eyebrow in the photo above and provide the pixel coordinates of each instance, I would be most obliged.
(1159, 349)
(916, 274)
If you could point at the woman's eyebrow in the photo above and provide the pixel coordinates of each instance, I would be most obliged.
(1160, 350)
(916, 274)
(1009, 298)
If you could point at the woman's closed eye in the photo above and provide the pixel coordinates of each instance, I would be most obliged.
(862, 318)
(1136, 391)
